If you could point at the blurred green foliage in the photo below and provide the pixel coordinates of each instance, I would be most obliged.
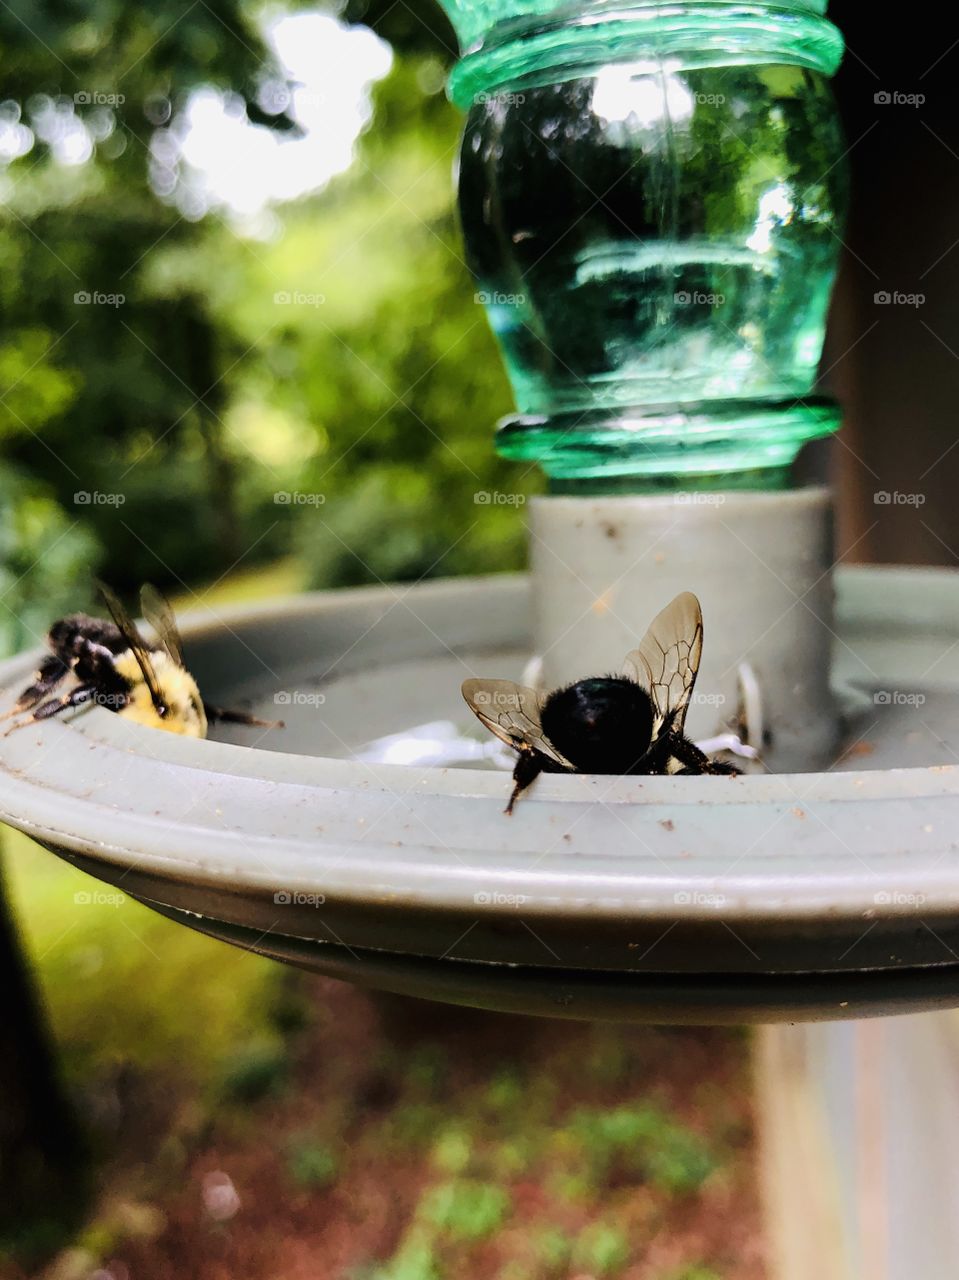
(200, 396)
(43, 554)
(466, 1209)
(311, 1164)
(601, 1249)
(256, 1071)
(646, 1143)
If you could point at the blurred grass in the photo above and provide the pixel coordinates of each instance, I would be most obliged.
(114, 977)
(285, 577)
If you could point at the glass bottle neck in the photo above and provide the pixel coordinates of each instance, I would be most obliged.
(526, 49)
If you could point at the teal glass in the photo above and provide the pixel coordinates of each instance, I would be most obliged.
(652, 200)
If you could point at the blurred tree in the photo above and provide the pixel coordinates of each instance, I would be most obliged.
(96, 393)
(166, 423)
(371, 388)
(419, 27)
(42, 1183)
(67, 46)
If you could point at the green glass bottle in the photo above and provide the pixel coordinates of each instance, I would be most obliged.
(652, 198)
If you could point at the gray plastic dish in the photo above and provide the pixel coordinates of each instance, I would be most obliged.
(781, 897)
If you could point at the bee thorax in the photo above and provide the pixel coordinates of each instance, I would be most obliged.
(182, 706)
(601, 725)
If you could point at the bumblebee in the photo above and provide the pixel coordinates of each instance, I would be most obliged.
(626, 724)
(110, 664)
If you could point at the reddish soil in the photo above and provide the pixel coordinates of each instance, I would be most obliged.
(212, 1192)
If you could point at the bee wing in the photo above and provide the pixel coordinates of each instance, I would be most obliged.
(128, 629)
(667, 659)
(159, 613)
(512, 712)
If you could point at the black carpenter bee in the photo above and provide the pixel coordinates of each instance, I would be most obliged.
(626, 724)
(110, 664)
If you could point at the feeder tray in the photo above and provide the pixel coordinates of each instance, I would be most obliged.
(707, 900)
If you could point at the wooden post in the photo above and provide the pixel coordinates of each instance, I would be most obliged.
(860, 1148)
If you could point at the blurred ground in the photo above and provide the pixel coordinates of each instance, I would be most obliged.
(250, 1120)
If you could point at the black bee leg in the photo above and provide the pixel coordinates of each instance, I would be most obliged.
(527, 769)
(223, 716)
(690, 756)
(75, 698)
(720, 766)
(697, 762)
(46, 678)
